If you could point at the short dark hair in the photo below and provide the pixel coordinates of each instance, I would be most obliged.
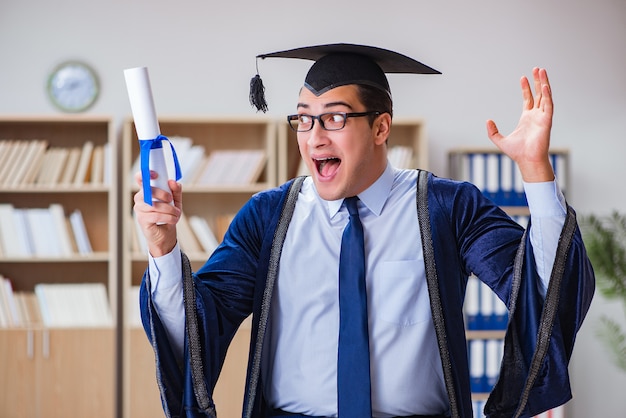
(375, 99)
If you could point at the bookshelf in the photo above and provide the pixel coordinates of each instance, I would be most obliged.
(406, 133)
(37, 354)
(214, 205)
(486, 318)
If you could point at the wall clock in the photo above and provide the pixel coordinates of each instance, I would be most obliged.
(73, 86)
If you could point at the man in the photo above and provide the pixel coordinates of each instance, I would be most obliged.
(282, 260)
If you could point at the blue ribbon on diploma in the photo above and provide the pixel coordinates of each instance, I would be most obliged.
(145, 146)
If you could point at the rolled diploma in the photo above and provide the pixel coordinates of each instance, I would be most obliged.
(146, 122)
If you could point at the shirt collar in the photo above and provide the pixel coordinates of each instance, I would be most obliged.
(374, 197)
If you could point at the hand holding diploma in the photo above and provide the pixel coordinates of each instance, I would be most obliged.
(158, 204)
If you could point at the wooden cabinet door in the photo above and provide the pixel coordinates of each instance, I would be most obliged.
(143, 393)
(228, 394)
(18, 389)
(76, 373)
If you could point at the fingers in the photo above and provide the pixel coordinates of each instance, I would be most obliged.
(160, 213)
(543, 92)
(138, 179)
(527, 94)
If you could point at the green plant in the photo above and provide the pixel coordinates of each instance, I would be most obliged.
(605, 240)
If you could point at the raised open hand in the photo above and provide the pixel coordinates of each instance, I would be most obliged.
(529, 143)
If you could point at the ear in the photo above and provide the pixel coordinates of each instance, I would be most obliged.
(382, 128)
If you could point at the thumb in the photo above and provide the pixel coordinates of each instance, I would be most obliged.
(492, 131)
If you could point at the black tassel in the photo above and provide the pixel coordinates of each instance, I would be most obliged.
(257, 94)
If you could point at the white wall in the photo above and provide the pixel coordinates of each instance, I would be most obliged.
(201, 58)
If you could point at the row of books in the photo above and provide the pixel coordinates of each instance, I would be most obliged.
(42, 232)
(498, 177)
(25, 163)
(17, 309)
(55, 305)
(215, 168)
(479, 405)
(195, 235)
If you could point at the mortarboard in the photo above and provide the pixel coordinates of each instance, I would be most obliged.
(342, 64)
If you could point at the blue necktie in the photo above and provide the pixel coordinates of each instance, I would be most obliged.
(353, 364)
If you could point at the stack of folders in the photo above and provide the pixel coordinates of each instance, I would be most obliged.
(499, 178)
(483, 309)
(485, 358)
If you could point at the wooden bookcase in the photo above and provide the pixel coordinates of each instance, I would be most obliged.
(141, 397)
(45, 368)
(498, 178)
(405, 132)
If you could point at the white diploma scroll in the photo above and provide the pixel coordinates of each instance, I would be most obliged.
(146, 122)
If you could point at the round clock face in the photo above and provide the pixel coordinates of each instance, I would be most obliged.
(73, 86)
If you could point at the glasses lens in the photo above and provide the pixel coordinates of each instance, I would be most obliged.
(333, 121)
(301, 123)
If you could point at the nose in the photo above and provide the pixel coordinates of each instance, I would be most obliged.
(317, 136)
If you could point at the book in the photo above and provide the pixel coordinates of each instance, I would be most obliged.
(84, 163)
(11, 306)
(41, 227)
(14, 156)
(477, 365)
(28, 307)
(80, 232)
(192, 164)
(14, 233)
(400, 156)
(232, 167)
(4, 307)
(34, 152)
(97, 165)
(186, 237)
(471, 306)
(60, 229)
(69, 173)
(58, 165)
(204, 233)
(132, 307)
(46, 168)
(138, 240)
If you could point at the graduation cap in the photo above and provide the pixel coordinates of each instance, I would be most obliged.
(342, 64)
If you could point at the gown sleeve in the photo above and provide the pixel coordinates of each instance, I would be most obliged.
(540, 337)
(218, 297)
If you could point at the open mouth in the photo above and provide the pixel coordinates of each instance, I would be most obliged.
(326, 167)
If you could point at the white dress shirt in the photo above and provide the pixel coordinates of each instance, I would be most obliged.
(300, 367)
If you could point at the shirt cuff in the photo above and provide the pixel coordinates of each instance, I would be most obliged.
(165, 271)
(545, 199)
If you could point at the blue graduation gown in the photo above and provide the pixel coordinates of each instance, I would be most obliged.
(462, 233)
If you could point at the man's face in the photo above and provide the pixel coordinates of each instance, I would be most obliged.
(342, 163)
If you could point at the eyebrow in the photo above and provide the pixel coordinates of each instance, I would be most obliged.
(327, 105)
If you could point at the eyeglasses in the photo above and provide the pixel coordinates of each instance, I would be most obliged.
(331, 121)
